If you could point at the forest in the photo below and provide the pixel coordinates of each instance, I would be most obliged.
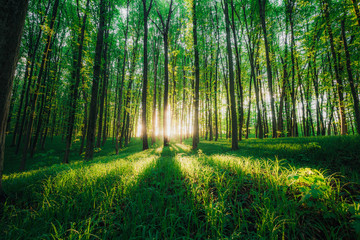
(168, 119)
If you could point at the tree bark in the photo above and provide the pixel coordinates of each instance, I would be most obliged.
(145, 76)
(340, 87)
(262, 5)
(90, 142)
(351, 78)
(238, 73)
(156, 61)
(38, 86)
(118, 117)
(12, 18)
(74, 93)
(234, 132)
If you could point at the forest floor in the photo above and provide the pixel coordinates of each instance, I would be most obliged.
(288, 188)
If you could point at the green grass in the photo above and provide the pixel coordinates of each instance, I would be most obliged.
(290, 188)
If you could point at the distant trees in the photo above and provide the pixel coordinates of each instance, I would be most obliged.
(215, 69)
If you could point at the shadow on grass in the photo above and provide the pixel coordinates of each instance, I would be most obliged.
(157, 205)
(54, 154)
(160, 201)
(22, 185)
(71, 203)
(338, 153)
(253, 201)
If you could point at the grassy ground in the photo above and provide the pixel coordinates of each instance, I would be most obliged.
(303, 188)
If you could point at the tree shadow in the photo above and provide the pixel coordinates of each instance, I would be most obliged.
(165, 201)
(157, 205)
(337, 153)
(257, 204)
(54, 153)
(74, 200)
(21, 186)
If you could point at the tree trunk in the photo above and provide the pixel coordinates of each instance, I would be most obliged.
(340, 87)
(234, 133)
(103, 85)
(249, 111)
(118, 117)
(12, 18)
(238, 73)
(197, 80)
(74, 93)
(156, 61)
(145, 77)
(262, 5)
(351, 79)
(90, 142)
(38, 86)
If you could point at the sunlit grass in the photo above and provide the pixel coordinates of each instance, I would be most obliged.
(177, 193)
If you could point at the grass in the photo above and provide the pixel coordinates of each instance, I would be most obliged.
(290, 188)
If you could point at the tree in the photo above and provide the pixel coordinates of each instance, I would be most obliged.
(164, 29)
(39, 83)
(75, 86)
(12, 18)
(262, 6)
(145, 74)
(197, 78)
(90, 143)
(234, 133)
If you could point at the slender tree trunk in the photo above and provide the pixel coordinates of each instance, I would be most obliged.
(197, 79)
(262, 5)
(249, 111)
(351, 78)
(293, 87)
(340, 87)
(26, 81)
(211, 136)
(32, 58)
(183, 109)
(216, 78)
(118, 117)
(103, 85)
(90, 142)
(145, 77)
(166, 92)
(234, 137)
(156, 61)
(38, 86)
(74, 90)
(127, 111)
(165, 32)
(238, 73)
(160, 95)
(40, 114)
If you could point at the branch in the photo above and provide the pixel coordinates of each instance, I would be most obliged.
(169, 15)
(157, 26)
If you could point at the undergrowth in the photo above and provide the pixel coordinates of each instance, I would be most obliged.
(303, 188)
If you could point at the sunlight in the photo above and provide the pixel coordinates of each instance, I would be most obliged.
(157, 127)
(168, 131)
(139, 128)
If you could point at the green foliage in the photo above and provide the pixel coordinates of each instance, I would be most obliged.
(174, 193)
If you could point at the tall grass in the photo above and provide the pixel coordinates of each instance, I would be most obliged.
(269, 189)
